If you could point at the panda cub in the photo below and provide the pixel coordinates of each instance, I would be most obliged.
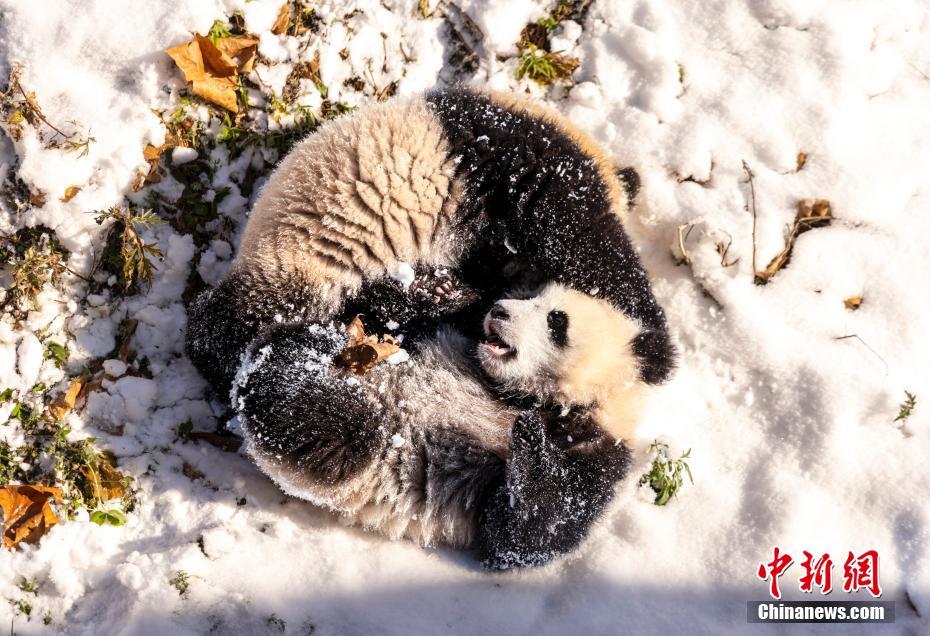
(427, 450)
(420, 212)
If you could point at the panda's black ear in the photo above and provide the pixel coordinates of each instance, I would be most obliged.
(657, 356)
(631, 183)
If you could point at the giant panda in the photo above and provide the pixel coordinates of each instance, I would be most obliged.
(380, 212)
(429, 451)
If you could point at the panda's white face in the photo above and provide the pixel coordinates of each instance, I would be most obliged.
(568, 348)
(525, 339)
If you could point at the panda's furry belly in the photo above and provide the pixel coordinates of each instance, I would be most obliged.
(364, 194)
(444, 438)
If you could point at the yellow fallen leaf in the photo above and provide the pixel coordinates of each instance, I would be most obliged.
(63, 404)
(219, 90)
(280, 24)
(801, 160)
(150, 152)
(105, 481)
(215, 62)
(27, 514)
(240, 47)
(363, 352)
(853, 303)
(211, 72)
(188, 58)
(70, 193)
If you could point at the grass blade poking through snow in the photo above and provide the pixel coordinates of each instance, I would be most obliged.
(906, 407)
(126, 255)
(667, 475)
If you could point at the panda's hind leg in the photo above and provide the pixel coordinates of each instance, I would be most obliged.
(302, 419)
(559, 479)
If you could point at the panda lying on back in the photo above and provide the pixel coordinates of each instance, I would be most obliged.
(427, 450)
(454, 180)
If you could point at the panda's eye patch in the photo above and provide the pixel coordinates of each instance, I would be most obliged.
(558, 327)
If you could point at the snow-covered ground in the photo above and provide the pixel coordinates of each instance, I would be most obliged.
(791, 428)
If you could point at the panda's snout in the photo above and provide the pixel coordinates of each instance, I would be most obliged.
(498, 312)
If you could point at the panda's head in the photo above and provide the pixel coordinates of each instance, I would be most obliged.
(567, 348)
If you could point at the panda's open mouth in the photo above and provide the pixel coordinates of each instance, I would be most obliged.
(497, 346)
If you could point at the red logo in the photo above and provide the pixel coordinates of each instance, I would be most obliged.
(859, 572)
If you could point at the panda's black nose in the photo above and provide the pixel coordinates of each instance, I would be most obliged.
(499, 313)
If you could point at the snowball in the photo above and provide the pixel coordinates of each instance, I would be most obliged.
(114, 368)
(181, 155)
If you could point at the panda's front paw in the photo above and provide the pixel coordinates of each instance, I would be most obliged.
(440, 291)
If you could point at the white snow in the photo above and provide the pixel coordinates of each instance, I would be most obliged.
(181, 155)
(790, 428)
(403, 273)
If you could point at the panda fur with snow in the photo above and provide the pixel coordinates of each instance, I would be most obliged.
(369, 214)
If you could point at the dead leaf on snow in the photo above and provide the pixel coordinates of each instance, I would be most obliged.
(211, 72)
(242, 48)
(64, 403)
(280, 24)
(812, 213)
(125, 332)
(802, 159)
(152, 155)
(37, 199)
(70, 193)
(190, 472)
(853, 303)
(363, 352)
(27, 514)
(106, 482)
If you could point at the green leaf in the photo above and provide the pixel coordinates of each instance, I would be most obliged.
(56, 352)
(110, 517)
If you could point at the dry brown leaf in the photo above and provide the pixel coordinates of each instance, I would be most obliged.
(190, 472)
(240, 47)
(70, 193)
(37, 199)
(189, 59)
(63, 404)
(218, 90)
(211, 72)
(812, 213)
(106, 482)
(363, 352)
(152, 155)
(280, 24)
(215, 62)
(125, 331)
(802, 159)
(27, 514)
(853, 303)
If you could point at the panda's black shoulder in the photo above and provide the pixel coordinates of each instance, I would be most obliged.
(485, 123)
